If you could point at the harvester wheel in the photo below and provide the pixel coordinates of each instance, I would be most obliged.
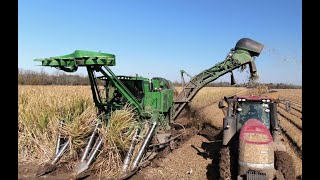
(225, 164)
(284, 164)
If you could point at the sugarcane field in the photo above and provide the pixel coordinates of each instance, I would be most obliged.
(163, 90)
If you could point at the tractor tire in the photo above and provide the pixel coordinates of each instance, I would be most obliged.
(225, 164)
(284, 164)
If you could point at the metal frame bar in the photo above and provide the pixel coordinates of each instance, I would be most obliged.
(144, 145)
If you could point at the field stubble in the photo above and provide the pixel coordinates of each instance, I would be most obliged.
(40, 109)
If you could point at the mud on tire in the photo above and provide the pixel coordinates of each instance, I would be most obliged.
(284, 164)
(225, 164)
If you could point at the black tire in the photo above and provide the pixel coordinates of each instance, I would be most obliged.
(224, 164)
(284, 164)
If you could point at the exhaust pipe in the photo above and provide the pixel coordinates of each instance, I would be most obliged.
(150, 85)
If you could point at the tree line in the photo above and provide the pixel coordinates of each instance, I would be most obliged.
(29, 77)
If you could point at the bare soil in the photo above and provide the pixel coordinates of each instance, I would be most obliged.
(28, 171)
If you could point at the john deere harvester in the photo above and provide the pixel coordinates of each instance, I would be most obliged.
(152, 98)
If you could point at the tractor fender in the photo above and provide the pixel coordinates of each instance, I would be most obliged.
(229, 129)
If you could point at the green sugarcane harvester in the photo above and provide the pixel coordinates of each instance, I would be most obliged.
(152, 98)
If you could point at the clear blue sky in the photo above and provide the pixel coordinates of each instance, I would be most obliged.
(160, 37)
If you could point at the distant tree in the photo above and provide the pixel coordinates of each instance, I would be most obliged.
(28, 77)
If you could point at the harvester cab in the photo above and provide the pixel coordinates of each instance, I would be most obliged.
(252, 145)
(141, 89)
(253, 108)
(152, 99)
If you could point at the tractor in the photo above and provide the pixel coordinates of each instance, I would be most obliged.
(252, 142)
(152, 98)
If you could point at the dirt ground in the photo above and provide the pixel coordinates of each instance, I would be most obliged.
(28, 172)
(194, 160)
